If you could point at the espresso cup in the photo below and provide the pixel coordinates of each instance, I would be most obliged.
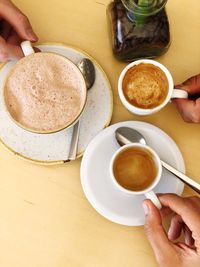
(172, 93)
(148, 191)
(55, 100)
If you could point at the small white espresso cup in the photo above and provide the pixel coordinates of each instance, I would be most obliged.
(148, 192)
(172, 93)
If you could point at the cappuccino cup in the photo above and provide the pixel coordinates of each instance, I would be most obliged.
(146, 86)
(44, 92)
(136, 169)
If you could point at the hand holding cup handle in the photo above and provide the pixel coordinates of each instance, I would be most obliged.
(184, 222)
(178, 93)
(152, 196)
(189, 109)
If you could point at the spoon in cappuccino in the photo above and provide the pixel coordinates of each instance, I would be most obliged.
(87, 69)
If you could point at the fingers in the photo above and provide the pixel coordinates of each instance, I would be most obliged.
(191, 85)
(14, 28)
(165, 211)
(5, 29)
(189, 241)
(18, 20)
(3, 50)
(14, 52)
(189, 110)
(13, 38)
(9, 51)
(175, 227)
(187, 208)
(155, 232)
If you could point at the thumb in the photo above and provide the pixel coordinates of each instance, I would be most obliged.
(18, 20)
(189, 110)
(156, 235)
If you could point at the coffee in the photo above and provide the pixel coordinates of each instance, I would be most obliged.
(134, 169)
(45, 91)
(145, 86)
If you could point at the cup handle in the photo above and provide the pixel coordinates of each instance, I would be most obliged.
(27, 48)
(178, 93)
(152, 196)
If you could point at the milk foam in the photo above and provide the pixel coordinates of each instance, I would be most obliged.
(44, 92)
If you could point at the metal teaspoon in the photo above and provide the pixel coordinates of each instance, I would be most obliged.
(87, 69)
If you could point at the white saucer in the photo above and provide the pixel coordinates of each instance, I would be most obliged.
(54, 148)
(98, 186)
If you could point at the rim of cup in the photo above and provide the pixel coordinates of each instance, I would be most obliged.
(142, 110)
(156, 160)
(68, 125)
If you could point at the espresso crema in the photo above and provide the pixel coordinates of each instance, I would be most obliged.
(135, 169)
(145, 86)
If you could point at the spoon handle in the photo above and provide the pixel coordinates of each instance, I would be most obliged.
(74, 141)
(184, 178)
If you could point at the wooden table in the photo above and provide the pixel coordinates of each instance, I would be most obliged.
(45, 220)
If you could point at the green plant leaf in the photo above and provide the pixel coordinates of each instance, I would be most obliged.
(141, 12)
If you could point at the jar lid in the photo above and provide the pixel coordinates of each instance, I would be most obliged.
(144, 7)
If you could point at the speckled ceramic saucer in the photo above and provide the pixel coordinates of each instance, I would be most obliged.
(54, 148)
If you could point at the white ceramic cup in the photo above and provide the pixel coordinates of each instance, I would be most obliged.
(172, 93)
(148, 192)
(28, 51)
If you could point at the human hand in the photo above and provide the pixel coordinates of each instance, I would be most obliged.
(14, 28)
(186, 217)
(189, 109)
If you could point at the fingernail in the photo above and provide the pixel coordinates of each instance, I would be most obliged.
(146, 209)
(31, 35)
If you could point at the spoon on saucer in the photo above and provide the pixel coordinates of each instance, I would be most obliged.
(126, 135)
(88, 71)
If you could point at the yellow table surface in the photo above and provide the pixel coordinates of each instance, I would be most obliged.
(45, 219)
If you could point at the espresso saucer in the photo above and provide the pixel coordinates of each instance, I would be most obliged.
(54, 148)
(100, 190)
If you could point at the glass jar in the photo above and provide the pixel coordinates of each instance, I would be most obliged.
(138, 28)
